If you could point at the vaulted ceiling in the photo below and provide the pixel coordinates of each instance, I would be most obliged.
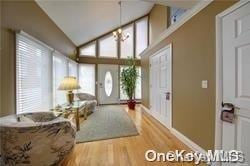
(84, 20)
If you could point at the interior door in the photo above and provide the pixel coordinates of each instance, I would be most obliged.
(108, 84)
(160, 86)
(236, 79)
(154, 87)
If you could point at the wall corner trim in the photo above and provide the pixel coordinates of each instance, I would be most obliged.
(192, 12)
(193, 146)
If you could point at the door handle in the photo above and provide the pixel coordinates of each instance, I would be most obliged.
(167, 95)
(227, 113)
(228, 106)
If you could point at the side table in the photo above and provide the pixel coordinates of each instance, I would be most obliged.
(75, 108)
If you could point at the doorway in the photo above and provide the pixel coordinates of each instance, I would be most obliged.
(161, 86)
(233, 79)
(108, 87)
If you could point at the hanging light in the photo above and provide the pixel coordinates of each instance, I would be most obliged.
(118, 34)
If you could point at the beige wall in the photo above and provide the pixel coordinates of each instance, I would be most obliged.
(26, 16)
(29, 17)
(7, 72)
(158, 17)
(193, 61)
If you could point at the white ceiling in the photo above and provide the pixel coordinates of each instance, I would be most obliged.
(84, 20)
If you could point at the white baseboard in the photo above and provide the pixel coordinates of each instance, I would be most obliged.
(193, 146)
(181, 137)
(145, 108)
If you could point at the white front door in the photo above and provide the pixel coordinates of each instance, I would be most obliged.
(236, 79)
(108, 84)
(160, 86)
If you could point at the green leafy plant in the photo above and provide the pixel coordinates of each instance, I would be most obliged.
(129, 75)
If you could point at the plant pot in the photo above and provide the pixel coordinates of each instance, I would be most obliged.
(131, 104)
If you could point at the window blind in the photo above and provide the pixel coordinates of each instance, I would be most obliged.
(73, 69)
(127, 46)
(60, 70)
(87, 78)
(33, 75)
(89, 50)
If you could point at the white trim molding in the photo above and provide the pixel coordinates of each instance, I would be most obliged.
(219, 71)
(145, 109)
(192, 12)
(193, 146)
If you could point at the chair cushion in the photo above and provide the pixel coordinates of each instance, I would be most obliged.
(39, 117)
(23, 118)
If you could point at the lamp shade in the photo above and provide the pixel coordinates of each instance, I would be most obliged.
(69, 83)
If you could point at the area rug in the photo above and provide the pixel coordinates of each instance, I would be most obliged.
(106, 122)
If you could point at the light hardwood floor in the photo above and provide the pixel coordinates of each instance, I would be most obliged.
(128, 150)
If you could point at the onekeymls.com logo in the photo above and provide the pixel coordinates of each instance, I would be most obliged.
(233, 156)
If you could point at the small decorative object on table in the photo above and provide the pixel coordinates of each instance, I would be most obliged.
(69, 84)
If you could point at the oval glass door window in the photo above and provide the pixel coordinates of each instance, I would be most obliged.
(108, 83)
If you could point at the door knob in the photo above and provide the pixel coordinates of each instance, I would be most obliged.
(167, 95)
(228, 106)
(227, 113)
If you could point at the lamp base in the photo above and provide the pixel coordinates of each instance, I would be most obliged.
(70, 97)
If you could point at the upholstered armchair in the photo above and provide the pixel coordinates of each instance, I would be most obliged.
(90, 99)
(35, 139)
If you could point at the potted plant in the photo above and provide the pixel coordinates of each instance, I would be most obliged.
(129, 75)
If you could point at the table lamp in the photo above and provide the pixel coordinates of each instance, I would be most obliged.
(69, 84)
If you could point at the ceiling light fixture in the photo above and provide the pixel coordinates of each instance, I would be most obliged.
(118, 34)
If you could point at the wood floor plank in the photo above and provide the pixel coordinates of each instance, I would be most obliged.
(128, 151)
